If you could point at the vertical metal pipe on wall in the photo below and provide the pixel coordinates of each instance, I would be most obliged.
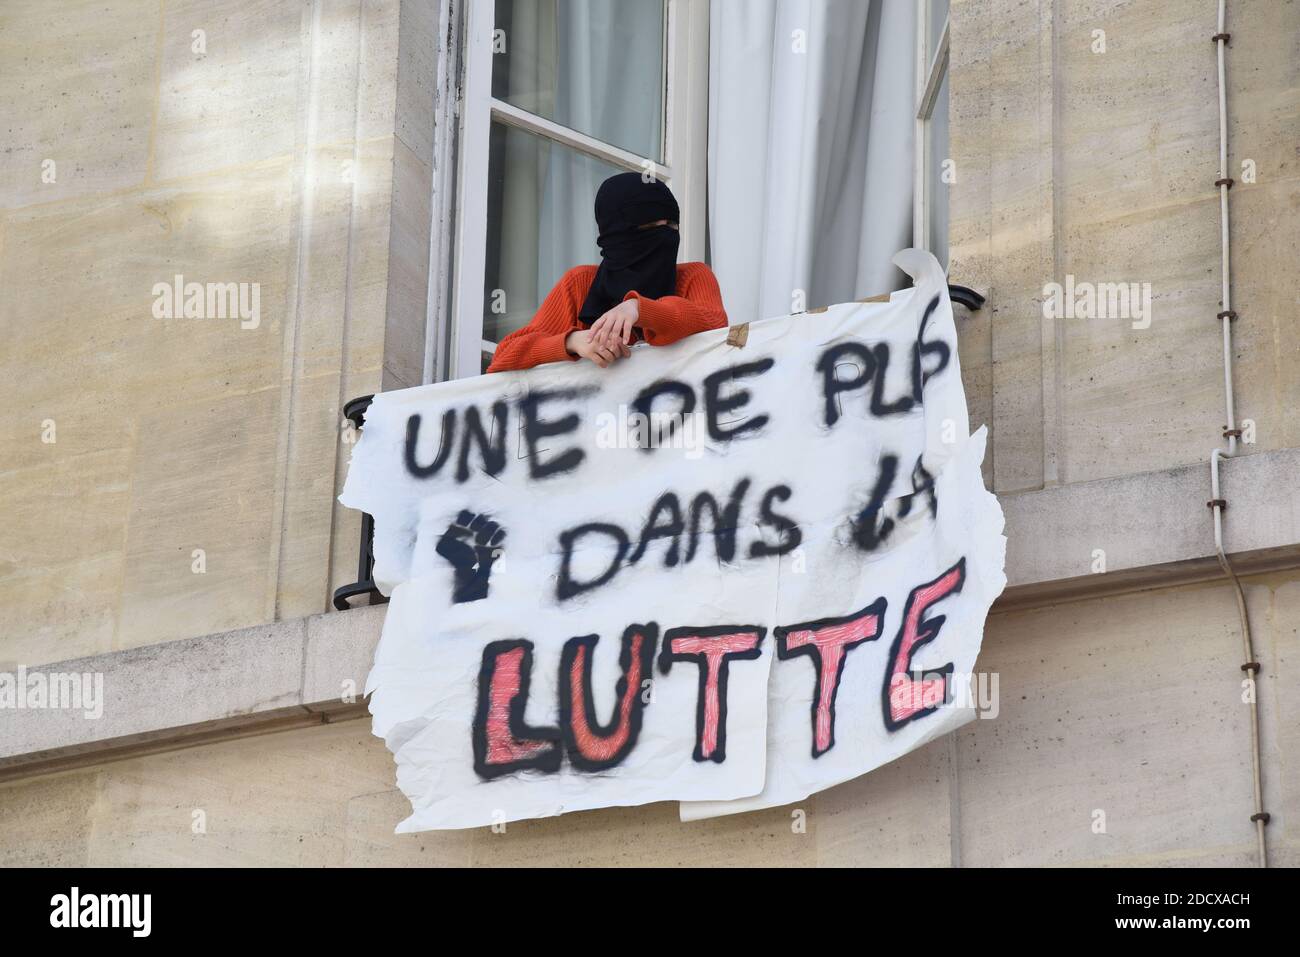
(1217, 503)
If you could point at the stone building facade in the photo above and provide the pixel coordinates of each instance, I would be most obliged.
(169, 489)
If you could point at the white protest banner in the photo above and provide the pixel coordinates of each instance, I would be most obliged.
(727, 575)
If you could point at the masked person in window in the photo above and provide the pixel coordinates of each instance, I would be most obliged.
(637, 293)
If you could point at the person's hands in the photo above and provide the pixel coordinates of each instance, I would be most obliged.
(581, 343)
(614, 329)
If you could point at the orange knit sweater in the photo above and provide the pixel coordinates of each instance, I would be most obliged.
(696, 306)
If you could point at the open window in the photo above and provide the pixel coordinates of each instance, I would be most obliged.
(560, 94)
(933, 165)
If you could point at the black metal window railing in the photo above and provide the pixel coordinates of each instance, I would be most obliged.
(350, 595)
(965, 296)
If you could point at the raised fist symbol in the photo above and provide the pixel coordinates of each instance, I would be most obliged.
(472, 544)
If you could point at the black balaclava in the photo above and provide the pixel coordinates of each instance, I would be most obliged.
(644, 260)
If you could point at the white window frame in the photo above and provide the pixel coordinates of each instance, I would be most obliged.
(931, 68)
(686, 42)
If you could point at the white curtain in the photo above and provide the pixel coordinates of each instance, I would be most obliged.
(811, 113)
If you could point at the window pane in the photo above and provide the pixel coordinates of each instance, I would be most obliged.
(938, 14)
(937, 129)
(540, 223)
(596, 66)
